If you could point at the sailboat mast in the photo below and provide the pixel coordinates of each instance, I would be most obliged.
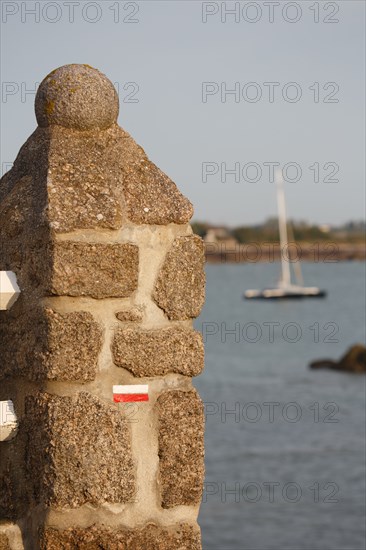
(286, 273)
(297, 264)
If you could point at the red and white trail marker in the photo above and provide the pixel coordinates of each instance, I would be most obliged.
(129, 394)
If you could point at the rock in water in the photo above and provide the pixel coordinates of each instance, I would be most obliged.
(353, 361)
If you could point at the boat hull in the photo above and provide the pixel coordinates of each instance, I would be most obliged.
(284, 294)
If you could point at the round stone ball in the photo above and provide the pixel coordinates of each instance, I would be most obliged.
(78, 97)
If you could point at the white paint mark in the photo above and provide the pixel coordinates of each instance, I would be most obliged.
(136, 388)
(9, 289)
(8, 421)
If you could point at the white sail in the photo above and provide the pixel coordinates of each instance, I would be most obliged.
(285, 280)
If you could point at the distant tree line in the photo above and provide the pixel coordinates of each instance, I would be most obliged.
(300, 231)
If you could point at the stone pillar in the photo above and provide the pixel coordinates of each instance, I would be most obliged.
(110, 277)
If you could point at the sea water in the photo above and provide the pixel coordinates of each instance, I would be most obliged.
(285, 445)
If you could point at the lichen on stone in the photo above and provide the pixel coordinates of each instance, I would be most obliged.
(49, 107)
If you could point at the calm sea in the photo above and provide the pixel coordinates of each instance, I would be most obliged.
(285, 445)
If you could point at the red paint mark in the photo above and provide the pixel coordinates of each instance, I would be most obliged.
(130, 397)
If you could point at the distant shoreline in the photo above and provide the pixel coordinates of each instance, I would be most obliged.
(316, 252)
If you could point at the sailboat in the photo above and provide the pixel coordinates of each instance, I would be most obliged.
(285, 288)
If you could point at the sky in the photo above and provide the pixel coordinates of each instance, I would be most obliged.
(217, 93)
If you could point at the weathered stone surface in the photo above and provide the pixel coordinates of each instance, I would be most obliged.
(151, 196)
(78, 451)
(180, 288)
(72, 342)
(158, 352)
(76, 96)
(29, 170)
(19, 339)
(97, 270)
(84, 180)
(4, 542)
(63, 180)
(23, 229)
(181, 447)
(13, 210)
(135, 314)
(43, 344)
(92, 174)
(8, 493)
(151, 537)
